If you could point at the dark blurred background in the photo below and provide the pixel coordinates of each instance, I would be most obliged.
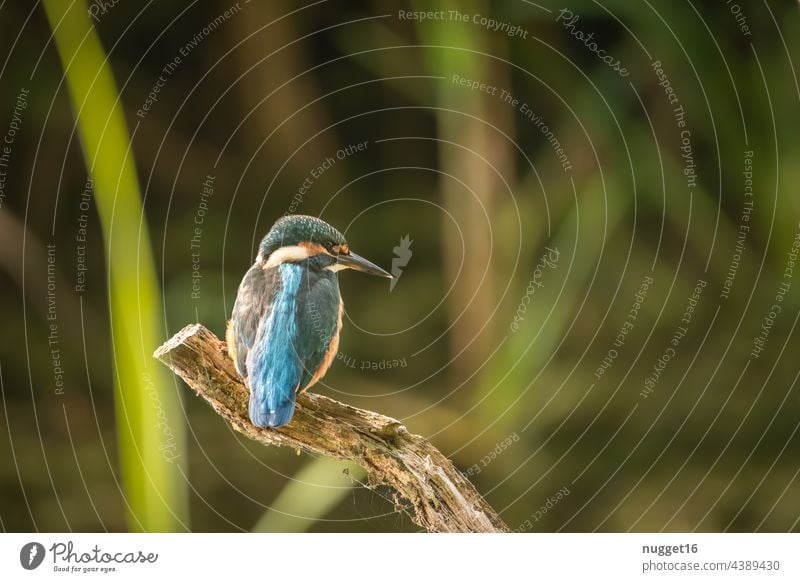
(586, 322)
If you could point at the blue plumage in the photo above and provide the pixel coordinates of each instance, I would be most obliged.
(275, 369)
(284, 331)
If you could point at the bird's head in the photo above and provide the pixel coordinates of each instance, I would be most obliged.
(296, 238)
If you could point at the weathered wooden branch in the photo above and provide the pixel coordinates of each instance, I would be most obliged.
(438, 496)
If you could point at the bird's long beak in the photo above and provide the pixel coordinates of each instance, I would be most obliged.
(353, 261)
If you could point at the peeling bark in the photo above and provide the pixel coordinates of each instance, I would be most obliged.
(437, 496)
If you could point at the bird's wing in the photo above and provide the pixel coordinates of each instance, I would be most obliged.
(319, 318)
(253, 305)
(274, 364)
(284, 334)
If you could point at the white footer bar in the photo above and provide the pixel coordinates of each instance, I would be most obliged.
(389, 557)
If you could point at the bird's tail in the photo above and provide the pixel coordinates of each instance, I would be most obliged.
(264, 413)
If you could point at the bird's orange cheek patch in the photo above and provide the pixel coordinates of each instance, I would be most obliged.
(293, 253)
(312, 248)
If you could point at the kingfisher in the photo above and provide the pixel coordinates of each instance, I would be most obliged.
(283, 334)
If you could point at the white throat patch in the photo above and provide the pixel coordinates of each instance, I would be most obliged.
(287, 254)
(336, 267)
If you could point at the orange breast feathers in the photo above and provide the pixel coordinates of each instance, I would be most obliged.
(333, 347)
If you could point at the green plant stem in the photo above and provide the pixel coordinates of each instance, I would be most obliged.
(148, 410)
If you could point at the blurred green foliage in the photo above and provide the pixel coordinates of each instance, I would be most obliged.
(149, 424)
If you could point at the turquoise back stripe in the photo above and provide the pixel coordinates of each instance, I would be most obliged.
(274, 366)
